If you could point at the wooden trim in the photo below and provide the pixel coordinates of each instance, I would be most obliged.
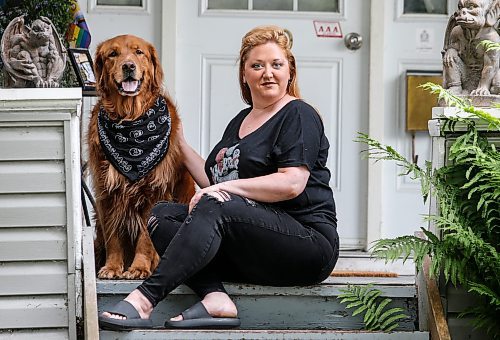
(169, 44)
(376, 121)
(89, 286)
(437, 320)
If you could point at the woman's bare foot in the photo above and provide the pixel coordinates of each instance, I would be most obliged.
(140, 303)
(217, 304)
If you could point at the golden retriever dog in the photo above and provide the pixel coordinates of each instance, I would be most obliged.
(134, 155)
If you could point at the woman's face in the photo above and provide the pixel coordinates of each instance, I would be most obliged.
(267, 72)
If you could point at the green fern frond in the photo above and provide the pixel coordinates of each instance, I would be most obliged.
(377, 151)
(368, 300)
(463, 104)
(404, 247)
(486, 292)
(484, 317)
(489, 45)
(450, 99)
(467, 191)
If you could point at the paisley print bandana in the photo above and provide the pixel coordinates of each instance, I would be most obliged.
(135, 147)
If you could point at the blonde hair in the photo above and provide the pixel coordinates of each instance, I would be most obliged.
(262, 35)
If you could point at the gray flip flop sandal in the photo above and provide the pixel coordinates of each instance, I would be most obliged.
(133, 319)
(197, 317)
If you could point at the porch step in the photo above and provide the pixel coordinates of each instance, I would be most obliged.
(277, 308)
(261, 334)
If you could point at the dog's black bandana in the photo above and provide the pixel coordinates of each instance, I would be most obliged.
(135, 147)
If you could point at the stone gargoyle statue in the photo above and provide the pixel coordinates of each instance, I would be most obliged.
(468, 69)
(33, 56)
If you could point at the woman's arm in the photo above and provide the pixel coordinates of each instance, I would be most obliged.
(283, 185)
(193, 161)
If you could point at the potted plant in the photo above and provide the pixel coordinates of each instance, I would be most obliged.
(467, 191)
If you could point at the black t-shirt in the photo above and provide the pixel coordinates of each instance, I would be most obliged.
(294, 136)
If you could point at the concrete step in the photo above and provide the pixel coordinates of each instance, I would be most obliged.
(261, 334)
(280, 308)
(363, 261)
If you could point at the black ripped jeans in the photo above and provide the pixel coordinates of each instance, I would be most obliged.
(236, 240)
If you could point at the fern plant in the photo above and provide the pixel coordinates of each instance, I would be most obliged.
(467, 190)
(368, 301)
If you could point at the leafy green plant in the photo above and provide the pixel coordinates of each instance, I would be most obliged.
(467, 190)
(368, 301)
(56, 10)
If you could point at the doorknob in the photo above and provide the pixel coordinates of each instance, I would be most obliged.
(353, 41)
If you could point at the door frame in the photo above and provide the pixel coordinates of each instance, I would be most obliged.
(376, 120)
(169, 43)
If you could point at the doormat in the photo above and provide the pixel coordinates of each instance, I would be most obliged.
(362, 273)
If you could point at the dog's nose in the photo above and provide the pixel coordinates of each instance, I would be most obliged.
(128, 66)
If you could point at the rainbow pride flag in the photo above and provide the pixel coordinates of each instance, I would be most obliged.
(78, 34)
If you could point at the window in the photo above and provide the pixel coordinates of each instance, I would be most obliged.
(425, 7)
(118, 6)
(273, 5)
(227, 4)
(138, 3)
(328, 6)
(318, 6)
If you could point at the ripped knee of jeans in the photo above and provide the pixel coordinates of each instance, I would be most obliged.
(221, 196)
(152, 224)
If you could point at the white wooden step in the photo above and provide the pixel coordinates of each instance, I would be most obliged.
(363, 261)
(261, 334)
(264, 307)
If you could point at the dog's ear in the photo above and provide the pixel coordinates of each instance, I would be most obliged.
(98, 67)
(157, 81)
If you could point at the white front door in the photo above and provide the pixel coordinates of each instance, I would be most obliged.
(331, 77)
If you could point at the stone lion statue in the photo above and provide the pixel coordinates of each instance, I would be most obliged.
(468, 69)
(33, 56)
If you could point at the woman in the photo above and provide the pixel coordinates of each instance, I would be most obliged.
(265, 213)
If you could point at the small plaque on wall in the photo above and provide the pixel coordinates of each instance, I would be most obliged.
(419, 102)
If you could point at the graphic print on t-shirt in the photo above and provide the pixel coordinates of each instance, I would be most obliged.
(226, 167)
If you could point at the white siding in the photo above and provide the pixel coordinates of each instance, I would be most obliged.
(37, 176)
(38, 142)
(33, 278)
(34, 311)
(31, 244)
(40, 217)
(36, 334)
(30, 210)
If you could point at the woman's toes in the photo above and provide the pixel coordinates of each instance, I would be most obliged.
(177, 318)
(113, 316)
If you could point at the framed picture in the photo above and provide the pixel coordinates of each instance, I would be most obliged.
(84, 68)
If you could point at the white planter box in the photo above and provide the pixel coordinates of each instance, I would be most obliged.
(40, 212)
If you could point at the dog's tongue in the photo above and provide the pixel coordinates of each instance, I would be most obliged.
(130, 86)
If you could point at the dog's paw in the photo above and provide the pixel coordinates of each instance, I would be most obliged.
(110, 273)
(134, 273)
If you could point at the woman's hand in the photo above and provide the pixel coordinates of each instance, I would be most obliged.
(213, 190)
(283, 185)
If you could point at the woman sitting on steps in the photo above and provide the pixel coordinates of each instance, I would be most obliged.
(265, 214)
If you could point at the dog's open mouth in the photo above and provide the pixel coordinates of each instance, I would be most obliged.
(129, 87)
